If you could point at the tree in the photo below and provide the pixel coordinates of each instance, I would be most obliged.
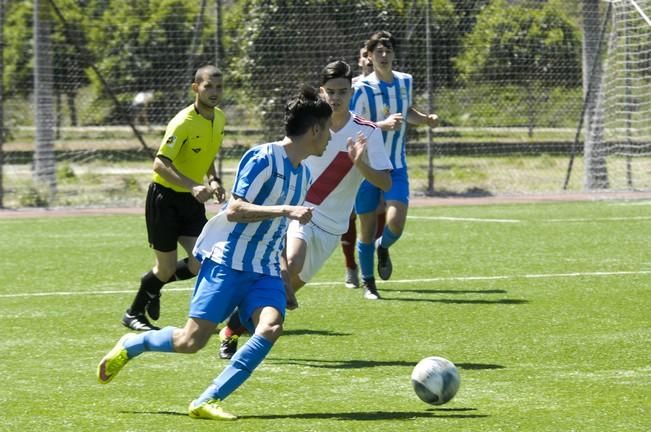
(520, 45)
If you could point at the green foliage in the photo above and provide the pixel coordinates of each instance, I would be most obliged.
(518, 44)
(33, 197)
(482, 105)
(65, 172)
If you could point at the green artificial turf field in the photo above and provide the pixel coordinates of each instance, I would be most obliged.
(545, 309)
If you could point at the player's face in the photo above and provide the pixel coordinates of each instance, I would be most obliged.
(364, 62)
(337, 92)
(321, 137)
(382, 58)
(209, 90)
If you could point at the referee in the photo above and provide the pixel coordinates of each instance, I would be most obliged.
(175, 212)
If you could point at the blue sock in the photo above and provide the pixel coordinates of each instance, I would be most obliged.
(388, 237)
(366, 254)
(238, 370)
(153, 340)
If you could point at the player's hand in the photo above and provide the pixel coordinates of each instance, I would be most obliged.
(357, 147)
(292, 303)
(219, 193)
(202, 193)
(393, 122)
(432, 120)
(301, 214)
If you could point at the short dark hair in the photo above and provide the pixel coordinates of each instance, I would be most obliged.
(336, 69)
(206, 71)
(305, 110)
(381, 37)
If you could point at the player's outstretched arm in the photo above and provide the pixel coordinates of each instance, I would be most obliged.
(240, 210)
(416, 117)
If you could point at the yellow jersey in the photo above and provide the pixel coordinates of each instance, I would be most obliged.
(191, 142)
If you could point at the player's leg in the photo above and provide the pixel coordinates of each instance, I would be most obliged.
(162, 233)
(263, 309)
(366, 204)
(397, 202)
(348, 240)
(189, 339)
(151, 284)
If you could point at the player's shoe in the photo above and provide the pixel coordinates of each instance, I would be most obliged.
(370, 290)
(227, 345)
(210, 410)
(113, 362)
(153, 307)
(137, 322)
(384, 266)
(352, 278)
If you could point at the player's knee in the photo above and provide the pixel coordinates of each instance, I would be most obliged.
(190, 343)
(164, 273)
(270, 331)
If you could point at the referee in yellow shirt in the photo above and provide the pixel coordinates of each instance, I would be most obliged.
(175, 210)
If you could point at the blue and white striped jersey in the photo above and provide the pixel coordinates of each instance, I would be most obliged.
(265, 176)
(376, 100)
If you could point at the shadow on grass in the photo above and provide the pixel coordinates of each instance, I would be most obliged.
(448, 413)
(456, 301)
(360, 364)
(303, 332)
(450, 291)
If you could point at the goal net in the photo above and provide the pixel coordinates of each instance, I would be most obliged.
(618, 145)
(504, 76)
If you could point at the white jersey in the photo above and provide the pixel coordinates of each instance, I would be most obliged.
(336, 179)
(376, 100)
(265, 176)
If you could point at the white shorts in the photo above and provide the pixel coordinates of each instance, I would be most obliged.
(319, 246)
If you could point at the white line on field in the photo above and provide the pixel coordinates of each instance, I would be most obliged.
(614, 218)
(463, 219)
(399, 281)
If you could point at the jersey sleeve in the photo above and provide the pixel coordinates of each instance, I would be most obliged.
(377, 155)
(174, 138)
(359, 103)
(253, 172)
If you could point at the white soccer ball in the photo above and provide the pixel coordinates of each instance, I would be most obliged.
(435, 380)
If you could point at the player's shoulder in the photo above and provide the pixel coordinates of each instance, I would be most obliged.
(402, 75)
(183, 116)
(366, 82)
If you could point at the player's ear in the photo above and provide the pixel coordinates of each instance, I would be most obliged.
(195, 87)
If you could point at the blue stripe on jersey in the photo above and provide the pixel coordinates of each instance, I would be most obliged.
(370, 96)
(398, 135)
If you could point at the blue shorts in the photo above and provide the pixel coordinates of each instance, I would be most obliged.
(369, 196)
(220, 289)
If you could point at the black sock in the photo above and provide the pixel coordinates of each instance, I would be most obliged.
(182, 271)
(150, 286)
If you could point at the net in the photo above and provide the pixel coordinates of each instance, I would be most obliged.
(504, 77)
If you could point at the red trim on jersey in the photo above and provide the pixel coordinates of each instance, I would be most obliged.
(329, 178)
(362, 121)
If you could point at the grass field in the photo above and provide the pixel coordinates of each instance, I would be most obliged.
(543, 307)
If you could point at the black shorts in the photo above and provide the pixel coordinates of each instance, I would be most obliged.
(170, 215)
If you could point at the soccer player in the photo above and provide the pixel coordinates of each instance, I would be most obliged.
(240, 249)
(385, 97)
(355, 152)
(175, 211)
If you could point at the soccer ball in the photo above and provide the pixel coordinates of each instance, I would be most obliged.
(435, 380)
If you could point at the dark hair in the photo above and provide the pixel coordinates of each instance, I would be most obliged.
(206, 71)
(304, 110)
(336, 69)
(381, 37)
